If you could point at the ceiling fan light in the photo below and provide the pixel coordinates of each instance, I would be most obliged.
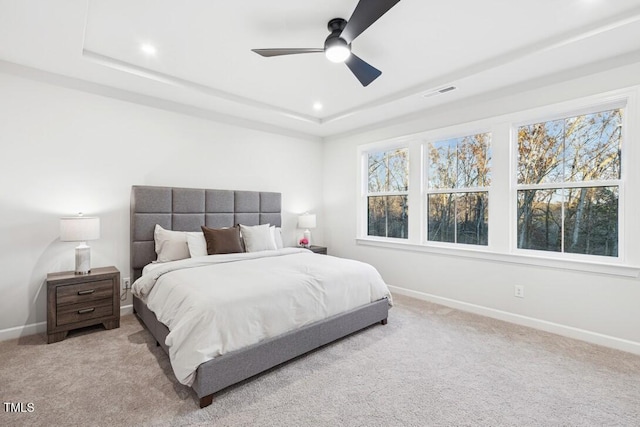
(337, 50)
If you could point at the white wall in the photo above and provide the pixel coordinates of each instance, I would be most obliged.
(595, 307)
(65, 151)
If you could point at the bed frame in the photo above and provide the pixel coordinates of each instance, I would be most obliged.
(186, 209)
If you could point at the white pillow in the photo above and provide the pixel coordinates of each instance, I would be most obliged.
(170, 245)
(276, 235)
(197, 244)
(257, 238)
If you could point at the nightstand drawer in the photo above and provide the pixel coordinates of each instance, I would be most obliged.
(84, 311)
(91, 291)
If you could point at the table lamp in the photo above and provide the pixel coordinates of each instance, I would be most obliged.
(80, 229)
(307, 221)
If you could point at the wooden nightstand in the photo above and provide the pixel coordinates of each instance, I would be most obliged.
(75, 301)
(318, 249)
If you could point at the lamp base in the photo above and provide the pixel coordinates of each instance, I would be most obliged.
(307, 235)
(83, 259)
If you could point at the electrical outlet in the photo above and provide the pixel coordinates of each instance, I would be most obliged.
(518, 291)
(126, 283)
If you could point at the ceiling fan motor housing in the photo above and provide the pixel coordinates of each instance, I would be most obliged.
(336, 24)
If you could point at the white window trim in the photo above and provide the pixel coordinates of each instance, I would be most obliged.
(427, 191)
(619, 99)
(363, 183)
(483, 253)
(502, 243)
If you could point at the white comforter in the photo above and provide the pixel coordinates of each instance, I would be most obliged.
(216, 304)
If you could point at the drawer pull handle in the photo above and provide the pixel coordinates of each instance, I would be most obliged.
(90, 291)
(86, 310)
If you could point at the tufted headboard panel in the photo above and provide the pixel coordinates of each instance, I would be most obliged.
(186, 209)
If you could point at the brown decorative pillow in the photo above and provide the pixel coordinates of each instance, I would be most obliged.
(222, 240)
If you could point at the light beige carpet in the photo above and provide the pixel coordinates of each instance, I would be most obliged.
(430, 366)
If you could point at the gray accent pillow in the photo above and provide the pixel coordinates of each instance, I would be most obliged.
(170, 245)
(222, 240)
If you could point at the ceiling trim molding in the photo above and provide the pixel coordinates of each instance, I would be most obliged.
(146, 73)
(495, 62)
(73, 83)
(585, 71)
(549, 44)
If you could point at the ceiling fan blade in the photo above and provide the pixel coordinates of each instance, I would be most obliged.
(279, 52)
(366, 13)
(363, 71)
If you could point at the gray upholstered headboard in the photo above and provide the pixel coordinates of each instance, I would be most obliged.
(186, 209)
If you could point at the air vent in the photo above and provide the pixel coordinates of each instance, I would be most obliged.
(438, 91)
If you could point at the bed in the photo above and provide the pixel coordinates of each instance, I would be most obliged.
(185, 209)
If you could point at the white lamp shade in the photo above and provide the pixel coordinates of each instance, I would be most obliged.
(307, 221)
(79, 229)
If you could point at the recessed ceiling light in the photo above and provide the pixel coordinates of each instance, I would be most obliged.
(317, 106)
(148, 49)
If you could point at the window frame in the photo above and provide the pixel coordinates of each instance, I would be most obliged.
(424, 214)
(622, 103)
(363, 190)
(502, 239)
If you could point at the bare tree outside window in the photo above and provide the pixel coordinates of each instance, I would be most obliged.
(387, 194)
(457, 196)
(568, 184)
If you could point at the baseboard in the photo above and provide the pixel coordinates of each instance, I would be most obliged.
(23, 331)
(41, 327)
(555, 328)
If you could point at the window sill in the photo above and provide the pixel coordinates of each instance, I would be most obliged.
(484, 254)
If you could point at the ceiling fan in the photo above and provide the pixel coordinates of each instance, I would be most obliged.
(337, 47)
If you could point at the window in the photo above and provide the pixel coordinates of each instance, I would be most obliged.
(550, 186)
(568, 179)
(387, 193)
(457, 196)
